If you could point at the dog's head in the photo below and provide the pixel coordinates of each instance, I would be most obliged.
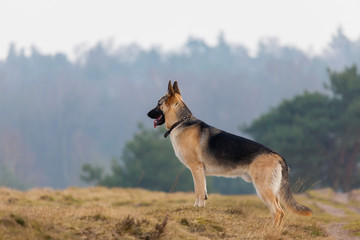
(168, 109)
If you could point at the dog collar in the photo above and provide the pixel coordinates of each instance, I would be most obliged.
(175, 125)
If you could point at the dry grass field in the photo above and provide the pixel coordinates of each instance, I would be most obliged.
(102, 213)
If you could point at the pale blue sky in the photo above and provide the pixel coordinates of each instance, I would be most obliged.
(61, 25)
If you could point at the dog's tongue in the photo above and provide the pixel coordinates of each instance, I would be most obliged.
(156, 121)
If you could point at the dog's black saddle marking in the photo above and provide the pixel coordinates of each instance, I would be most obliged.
(233, 150)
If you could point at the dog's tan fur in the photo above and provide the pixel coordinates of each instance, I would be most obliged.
(265, 172)
(191, 145)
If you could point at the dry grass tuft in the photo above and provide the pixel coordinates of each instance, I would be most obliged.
(136, 228)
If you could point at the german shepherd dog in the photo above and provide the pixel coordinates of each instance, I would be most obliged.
(206, 150)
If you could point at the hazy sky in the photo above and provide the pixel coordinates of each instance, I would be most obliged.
(59, 26)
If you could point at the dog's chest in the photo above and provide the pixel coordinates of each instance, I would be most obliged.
(179, 148)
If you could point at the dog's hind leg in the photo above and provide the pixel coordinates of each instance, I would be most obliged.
(280, 214)
(271, 201)
(265, 172)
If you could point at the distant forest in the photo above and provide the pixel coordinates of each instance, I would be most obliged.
(57, 114)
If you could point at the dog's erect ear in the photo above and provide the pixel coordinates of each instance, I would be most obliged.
(176, 88)
(170, 89)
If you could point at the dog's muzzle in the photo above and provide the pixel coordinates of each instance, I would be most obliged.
(158, 115)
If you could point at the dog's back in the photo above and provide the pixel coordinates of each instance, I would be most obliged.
(233, 150)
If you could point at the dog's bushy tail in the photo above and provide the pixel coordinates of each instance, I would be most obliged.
(286, 194)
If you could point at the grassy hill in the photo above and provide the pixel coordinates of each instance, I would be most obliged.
(102, 213)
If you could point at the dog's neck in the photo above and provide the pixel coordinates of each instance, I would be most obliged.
(175, 125)
(183, 113)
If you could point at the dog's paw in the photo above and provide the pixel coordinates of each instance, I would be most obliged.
(199, 203)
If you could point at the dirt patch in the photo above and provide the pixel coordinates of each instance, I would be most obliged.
(337, 232)
(354, 195)
(336, 212)
(355, 209)
(341, 197)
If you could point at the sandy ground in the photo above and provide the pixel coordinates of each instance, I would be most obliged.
(336, 230)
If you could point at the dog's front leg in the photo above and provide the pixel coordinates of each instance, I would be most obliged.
(199, 185)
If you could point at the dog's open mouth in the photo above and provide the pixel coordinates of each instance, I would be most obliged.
(158, 116)
(159, 120)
